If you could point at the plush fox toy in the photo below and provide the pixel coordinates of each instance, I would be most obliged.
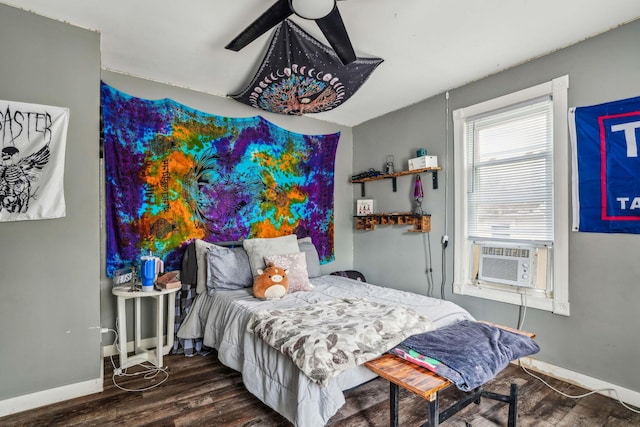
(271, 283)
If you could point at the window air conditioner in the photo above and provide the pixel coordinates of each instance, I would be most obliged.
(510, 265)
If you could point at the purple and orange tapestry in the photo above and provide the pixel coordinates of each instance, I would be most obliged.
(174, 173)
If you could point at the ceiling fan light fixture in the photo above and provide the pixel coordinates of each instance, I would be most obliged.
(312, 9)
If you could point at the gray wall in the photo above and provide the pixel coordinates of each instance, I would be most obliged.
(343, 224)
(49, 270)
(599, 338)
(52, 272)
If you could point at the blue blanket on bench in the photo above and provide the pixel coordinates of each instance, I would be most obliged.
(474, 351)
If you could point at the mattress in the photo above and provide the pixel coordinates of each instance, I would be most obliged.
(221, 321)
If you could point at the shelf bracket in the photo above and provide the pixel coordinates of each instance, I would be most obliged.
(362, 189)
(434, 179)
(394, 183)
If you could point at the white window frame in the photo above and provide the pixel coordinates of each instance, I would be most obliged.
(463, 284)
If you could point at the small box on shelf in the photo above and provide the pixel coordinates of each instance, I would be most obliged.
(423, 162)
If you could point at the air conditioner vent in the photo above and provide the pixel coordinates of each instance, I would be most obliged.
(510, 265)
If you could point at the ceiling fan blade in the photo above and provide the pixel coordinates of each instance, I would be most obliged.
(269, 19)
(333, 29)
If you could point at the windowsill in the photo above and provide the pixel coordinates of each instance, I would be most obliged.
(529, 300)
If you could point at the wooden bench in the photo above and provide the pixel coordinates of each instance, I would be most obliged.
(426, 384)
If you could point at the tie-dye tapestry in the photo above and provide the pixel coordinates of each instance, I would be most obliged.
(174, 173)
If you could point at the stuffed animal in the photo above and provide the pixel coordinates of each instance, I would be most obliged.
(271, 283)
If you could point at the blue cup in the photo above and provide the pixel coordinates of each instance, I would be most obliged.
(149, 269)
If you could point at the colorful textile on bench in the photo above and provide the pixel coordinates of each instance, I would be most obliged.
(474, 351)
(434, 365)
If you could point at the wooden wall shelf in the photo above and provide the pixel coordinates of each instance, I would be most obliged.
(420, 223)
(393, 176)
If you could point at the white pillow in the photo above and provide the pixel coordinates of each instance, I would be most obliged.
(259, 247)
(296, 266)
(202, 250)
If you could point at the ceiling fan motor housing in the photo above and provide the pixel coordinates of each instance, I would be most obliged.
(312, 9)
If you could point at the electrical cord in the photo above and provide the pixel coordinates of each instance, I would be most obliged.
(431, 263)
(445, 237)
(148, 373)
(523, 311)
(580, 396)
(429, 269)
(444, 272)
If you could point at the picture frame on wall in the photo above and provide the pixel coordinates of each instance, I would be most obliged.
(364, 207)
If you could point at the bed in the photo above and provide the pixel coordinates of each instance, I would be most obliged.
(221, 320)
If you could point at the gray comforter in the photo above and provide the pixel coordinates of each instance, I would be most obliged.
(221, 321)
(329, 337)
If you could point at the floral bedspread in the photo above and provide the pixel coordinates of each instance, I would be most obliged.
(329, 337)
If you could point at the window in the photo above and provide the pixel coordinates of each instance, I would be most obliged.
(511, 193)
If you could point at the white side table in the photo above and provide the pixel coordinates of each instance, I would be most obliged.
(143, 354)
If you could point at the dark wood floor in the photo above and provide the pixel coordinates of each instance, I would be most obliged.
(202, 392)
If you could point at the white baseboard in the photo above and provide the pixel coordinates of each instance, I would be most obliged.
(71, 391)
(628, 396)
(46, 397)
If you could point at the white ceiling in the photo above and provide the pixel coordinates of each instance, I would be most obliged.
(428, 46)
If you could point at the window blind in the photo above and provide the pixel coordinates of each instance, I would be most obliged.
(510, 179)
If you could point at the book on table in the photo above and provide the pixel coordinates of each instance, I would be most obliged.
(169, 280)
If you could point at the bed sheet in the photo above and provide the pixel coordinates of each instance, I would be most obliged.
(221, 321)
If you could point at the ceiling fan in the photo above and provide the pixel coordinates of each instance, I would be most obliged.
(324, 12)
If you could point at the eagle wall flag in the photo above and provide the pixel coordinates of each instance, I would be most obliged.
(32, 150)
(300, 75)
(606, 167)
